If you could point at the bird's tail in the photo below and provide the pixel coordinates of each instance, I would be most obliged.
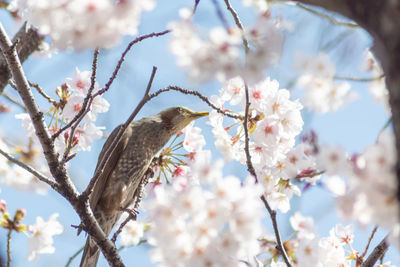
(91, 251)
(90, 254)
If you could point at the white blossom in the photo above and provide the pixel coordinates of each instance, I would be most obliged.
(41, 239)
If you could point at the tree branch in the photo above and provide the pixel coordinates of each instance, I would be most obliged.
(199, 95)
(28, 168)
(378, 251)
(66, 188)
(238, 24)
(40, 91)
(122, 58)
(28, 42)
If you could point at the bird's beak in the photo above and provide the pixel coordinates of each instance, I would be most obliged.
(196, 115)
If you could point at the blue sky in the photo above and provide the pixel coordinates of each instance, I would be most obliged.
(354, 127)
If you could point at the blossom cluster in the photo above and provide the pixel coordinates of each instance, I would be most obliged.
(321, 92)
(273, 124)
(312, 250)
(83, 24)
(72, 95)
(221, 53)
(368, 195)
(203, 219)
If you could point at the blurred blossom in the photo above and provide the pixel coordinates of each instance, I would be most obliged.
(322, 94)
(303, 225)
(132, 233)
(23, 180)
(221, 55)
(362, 196)
(377, 86)
(84, 24)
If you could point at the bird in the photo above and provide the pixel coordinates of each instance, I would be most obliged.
(119, 183)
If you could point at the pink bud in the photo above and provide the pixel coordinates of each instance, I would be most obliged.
(3, 206)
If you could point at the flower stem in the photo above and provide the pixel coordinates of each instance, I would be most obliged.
(9, 248)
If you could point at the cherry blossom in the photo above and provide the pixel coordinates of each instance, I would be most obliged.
(213, 222)
(194, 141)
(81, 24)
(220, 54)
(40, 241)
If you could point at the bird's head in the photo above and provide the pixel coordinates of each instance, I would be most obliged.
(177, 118)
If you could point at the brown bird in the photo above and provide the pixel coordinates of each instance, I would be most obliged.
(118, 185)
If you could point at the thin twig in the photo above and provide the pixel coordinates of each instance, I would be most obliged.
(378, 252)
(238, 23)
(131, 215)
(331, 20)
(28, 168)
(221, 15)
(361, 258)
(85, 194)
(199, 95)
(74, 256)
(122, 58)
(40, 91)
(356, 79)
(196, 3)
(86, 106)
(9, 248)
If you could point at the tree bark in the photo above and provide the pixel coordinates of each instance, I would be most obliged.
(28, 42)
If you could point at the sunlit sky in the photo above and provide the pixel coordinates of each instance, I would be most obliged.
(354, 127)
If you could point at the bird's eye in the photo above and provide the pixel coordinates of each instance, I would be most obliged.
(180, 110)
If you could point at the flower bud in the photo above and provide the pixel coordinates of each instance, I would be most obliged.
(19, 215)
(3, 206)
(4, 223)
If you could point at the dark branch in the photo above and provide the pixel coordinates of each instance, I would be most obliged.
(199, 95)
(378, 252)
(122, 58)
(28, 42)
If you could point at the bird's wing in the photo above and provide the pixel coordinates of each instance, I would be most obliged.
(112, 162)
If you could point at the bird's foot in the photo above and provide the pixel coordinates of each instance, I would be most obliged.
(131, 211)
